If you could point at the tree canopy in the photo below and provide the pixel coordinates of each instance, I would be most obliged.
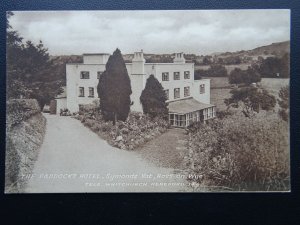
(114, 89)
(214, 70)
(238, 76)
(153, 98)
(251, 100)
(30, 72)
(274, 67)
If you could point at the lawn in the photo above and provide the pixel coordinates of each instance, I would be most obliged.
(167, 150)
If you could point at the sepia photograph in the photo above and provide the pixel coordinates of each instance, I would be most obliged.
(148, 101)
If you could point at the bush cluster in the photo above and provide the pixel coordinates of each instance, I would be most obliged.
(238, 76)
(18, 110)
(241, 154)
(215, 70)
(129, 134)
(64, 112)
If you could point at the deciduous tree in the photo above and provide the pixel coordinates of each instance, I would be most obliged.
(251, 100)
(238, 76)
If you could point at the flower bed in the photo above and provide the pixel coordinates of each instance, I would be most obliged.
(135, 131)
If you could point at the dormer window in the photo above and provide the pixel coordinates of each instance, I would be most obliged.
(84, 75)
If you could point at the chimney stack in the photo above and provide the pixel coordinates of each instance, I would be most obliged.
(179, 58)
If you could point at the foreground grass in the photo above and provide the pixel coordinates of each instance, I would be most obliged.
(167, 150)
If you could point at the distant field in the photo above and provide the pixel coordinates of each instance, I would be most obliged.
(220, 90)
(273, 85)
(228, 67)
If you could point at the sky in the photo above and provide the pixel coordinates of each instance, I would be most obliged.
(190, 31)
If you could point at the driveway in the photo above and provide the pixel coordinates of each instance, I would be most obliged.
(74, 159)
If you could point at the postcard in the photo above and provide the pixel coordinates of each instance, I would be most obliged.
(147, 101)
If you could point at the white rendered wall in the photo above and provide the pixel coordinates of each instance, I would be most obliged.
(158, 69)
(138, 73)
(61, 103)
(74, 82)
(95, 58)
(205, 97)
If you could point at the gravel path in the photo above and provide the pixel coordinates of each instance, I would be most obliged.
(74, 159)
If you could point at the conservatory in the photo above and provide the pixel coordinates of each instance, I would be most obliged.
(183, 113)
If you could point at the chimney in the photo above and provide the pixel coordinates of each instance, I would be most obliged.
(138, 63)
(138, 57)
(179, 58)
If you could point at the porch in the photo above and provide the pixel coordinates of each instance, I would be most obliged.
(183, 113)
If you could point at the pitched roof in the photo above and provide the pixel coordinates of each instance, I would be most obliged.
(187, 105)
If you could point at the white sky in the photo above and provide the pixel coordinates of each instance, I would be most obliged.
(188, 31)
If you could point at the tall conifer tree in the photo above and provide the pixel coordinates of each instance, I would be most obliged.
(114, 89)
(153, 98)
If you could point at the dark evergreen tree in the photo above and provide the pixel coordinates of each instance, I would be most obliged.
(153, 98)
(30, 72)
(114, 89)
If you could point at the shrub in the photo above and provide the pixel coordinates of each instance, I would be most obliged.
(283, 101)
(18, 110)
(221, 114)
(242, 154)
(12, 164)
(136, 130)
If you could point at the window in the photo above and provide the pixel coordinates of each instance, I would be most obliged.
(81, 91)
(167, 94)
(202, 89)
(180, 121)
(91, 92)
(84, 75)
(171, 118)
(186, 74)
(176, 75)
(99, 73)
(186, 91)
(165, 76)
(176, 93)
